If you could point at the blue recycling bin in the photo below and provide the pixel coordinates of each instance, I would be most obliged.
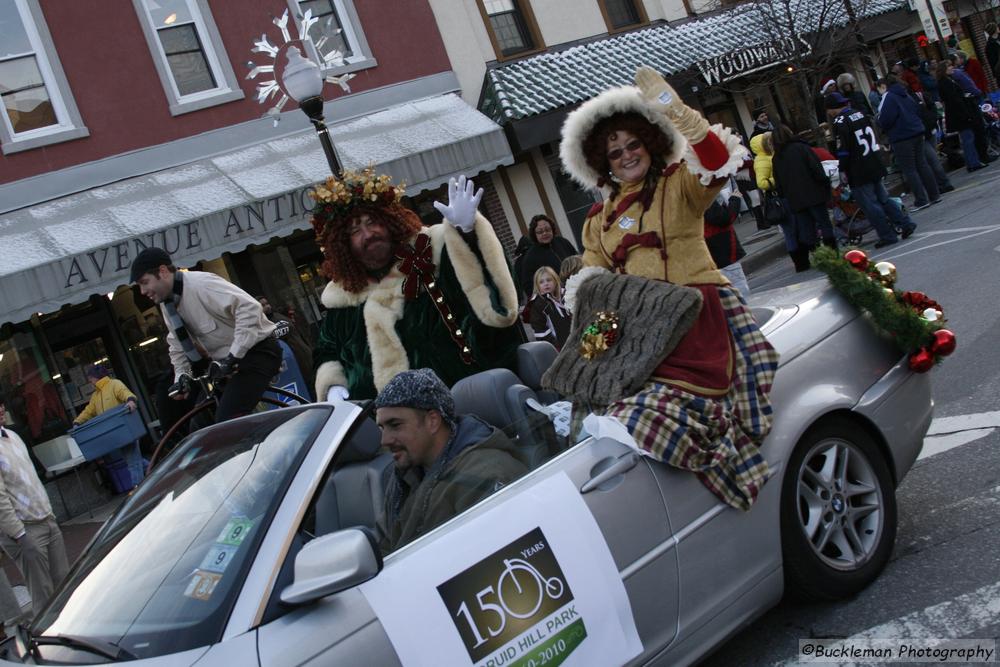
(289, 376)
(113, 434)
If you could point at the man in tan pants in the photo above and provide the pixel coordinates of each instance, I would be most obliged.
(28, 529)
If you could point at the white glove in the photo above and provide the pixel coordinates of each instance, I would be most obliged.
(337, 392)
(462, 204)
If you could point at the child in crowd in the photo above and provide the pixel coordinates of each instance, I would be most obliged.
(549, 318)
(569, 268)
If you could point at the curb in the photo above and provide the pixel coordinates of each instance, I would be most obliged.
(771, 249)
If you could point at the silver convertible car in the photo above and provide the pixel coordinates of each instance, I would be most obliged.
(252, 543)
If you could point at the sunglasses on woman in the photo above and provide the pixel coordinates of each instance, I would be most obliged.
(631, 147)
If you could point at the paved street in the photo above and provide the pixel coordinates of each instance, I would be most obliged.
(944, 576)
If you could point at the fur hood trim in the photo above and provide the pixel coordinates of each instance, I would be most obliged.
(581, 122)
(737, 156)
(577, 279)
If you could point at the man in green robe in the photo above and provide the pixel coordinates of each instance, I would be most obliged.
(404, 296)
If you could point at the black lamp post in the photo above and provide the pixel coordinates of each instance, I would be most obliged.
(303, 82)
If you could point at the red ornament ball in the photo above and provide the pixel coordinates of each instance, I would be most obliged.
(921, 361)
(857, 258)
(943, 343)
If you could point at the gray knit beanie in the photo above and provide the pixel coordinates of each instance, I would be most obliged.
(421, 389)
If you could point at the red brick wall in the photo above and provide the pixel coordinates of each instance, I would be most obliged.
(115, 85)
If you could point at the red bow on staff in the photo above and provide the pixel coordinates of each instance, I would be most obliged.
(416, 263)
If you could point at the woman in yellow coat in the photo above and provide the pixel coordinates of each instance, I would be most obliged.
(108, 393)
(660, 165)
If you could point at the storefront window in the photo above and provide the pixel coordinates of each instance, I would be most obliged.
(36, 402)
(144, 336)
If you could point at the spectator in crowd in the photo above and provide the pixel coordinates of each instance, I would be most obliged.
(876, 94)
(973, 69)
(763, 166)
(992, 49)
(722, 242)
(900, 118)
(761, 124)
(301, 349)
(906, 73)
(549, 318)
(927, 73)
(827, 86)
(974, 90)
(960, 114)
(28, 529)
(862, 168)
(443, 463)
(802, 181)
(746, 182)
(108, 393)
(848, 87)
(570, 267)
(547, 248)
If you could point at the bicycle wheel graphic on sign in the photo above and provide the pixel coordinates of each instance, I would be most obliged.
(522, 588)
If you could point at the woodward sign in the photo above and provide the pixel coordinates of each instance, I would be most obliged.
(744, 61)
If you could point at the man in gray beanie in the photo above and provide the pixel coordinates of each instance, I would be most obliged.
(443, 463)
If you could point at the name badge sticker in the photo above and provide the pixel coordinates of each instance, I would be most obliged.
(625, 222)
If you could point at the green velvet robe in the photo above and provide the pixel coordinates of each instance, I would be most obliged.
(367, 338)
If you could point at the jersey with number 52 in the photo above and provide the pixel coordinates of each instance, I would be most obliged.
(857, 148)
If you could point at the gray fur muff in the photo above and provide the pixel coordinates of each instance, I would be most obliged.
(653, 316)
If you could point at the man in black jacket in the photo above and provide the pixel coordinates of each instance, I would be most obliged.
(992, 48)
(857, 150)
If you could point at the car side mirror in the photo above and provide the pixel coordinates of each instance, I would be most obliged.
(333, 563)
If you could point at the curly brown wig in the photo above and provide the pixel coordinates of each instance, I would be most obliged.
(595, 146)
(340, 265)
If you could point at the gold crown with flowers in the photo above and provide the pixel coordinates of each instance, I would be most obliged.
(337, 198)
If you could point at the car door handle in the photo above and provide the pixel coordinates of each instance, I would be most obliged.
(622, 465)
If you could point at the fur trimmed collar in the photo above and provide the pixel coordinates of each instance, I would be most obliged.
(581, 122)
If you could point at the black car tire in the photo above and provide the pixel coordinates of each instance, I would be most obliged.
(818, 569)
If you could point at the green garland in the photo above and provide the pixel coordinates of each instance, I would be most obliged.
(910, 331)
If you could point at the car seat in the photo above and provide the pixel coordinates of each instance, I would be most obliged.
(354, 494)
(533, 359)
(497, 397)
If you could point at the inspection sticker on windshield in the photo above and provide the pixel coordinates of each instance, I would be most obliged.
(529, 582)
(202, 584)
(218, 557)
(235, 531)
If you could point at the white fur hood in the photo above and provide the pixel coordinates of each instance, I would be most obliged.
(581, 122)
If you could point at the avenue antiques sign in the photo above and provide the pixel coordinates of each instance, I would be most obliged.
(223, 231)
(47, 286)
(732, 65)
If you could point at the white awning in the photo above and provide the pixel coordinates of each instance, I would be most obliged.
(64, 250)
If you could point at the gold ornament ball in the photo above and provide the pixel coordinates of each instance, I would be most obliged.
(887, 273)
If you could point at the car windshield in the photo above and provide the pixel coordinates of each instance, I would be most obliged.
(164, 572)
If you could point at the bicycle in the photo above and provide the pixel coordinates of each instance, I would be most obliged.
(211, 384)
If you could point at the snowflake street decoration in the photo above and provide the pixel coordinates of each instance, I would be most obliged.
(271, 89)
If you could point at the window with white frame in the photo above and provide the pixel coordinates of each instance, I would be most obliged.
(188, 53)
(338, 29)
(37, 105)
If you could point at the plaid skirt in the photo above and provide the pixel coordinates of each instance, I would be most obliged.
(717, 438)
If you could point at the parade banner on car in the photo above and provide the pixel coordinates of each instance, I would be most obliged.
(530, 582)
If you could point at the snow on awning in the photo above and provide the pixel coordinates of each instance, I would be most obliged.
(62, 251)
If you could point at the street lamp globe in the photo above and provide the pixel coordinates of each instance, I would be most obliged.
(301, 78)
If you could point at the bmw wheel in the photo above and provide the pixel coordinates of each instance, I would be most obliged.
(838, 512)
